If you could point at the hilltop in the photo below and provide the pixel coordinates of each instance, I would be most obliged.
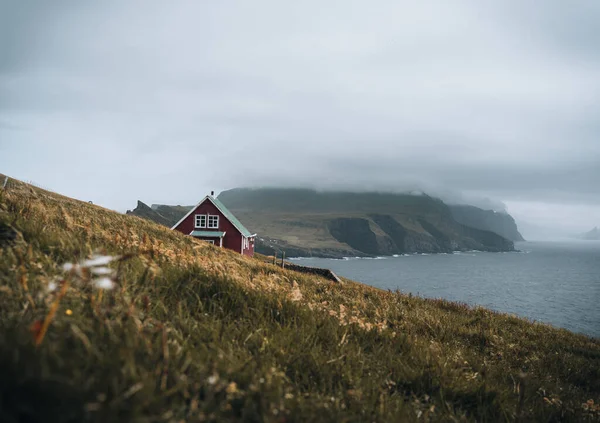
(304, 222)
(190, 332)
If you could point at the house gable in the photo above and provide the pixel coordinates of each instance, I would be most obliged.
(224, 211)
(234, 235)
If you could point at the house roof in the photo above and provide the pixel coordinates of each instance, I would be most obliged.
(231, 217)
(228, 215)
(208, 234)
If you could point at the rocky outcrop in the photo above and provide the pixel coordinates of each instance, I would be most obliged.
(356, 233)
(500, 223)
(171, 213)
(396, 232)
(144, 211)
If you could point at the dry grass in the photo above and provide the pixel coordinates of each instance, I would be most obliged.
(194, 333)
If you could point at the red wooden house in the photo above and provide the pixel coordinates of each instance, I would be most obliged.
(210, 221)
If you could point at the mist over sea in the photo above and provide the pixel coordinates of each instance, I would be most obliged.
(551, 282)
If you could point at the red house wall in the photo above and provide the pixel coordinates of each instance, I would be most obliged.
(232, 239)
(250, 250)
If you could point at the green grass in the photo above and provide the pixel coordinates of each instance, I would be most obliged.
(195, 333)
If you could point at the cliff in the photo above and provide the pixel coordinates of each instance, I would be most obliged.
(489, 220)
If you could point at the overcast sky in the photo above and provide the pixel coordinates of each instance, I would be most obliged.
(114, 101)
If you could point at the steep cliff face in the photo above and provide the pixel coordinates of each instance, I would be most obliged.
(485, 240)
(396, 239)
(408, 241)
(356, 233)
(488, 220)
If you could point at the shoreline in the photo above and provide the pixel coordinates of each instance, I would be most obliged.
(384, 257)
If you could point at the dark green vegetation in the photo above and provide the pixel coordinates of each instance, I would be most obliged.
(195, 333)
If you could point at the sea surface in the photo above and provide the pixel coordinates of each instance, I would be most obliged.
(551, 282)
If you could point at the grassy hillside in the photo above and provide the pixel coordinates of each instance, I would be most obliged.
(190, 332)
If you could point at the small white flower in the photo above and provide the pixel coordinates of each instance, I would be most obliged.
(97, 261)
(67, 267)
(52, 286)
(101, 271)
(212, 379)
(104, 283)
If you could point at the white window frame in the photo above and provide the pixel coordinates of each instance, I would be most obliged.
(211, 218)
(198, 221)
(210, 241)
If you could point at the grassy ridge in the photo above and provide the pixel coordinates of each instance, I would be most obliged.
(192, 333)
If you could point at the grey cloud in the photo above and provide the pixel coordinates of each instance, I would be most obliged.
(569, 26)
(170, 100)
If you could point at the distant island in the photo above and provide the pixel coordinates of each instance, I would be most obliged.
(593, 235)
(304, 222)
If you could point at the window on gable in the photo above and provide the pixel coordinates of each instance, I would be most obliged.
(213, 221)
(200, 221)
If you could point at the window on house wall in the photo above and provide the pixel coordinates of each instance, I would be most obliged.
(210, 241)
(200, 221)
(213, 222)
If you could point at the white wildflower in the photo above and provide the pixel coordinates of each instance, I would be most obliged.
(104, 283)
(101, 271)
(96, 266)
(52, 286)
(97, 261)
(213, 379)
(67, 267)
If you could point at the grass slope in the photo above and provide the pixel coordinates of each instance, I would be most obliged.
(195, 333)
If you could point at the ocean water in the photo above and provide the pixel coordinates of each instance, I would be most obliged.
(551, 282)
